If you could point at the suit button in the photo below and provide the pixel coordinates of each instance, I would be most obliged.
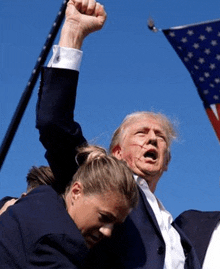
(160, 250)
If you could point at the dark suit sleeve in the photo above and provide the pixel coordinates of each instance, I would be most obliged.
(198, 226)
(58, 251)
(59, 133)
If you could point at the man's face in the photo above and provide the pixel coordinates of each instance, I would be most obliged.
(95, 215)
(144, 147)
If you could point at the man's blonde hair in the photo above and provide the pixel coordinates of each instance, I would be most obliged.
(161, 118)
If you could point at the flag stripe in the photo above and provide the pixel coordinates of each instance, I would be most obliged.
(214, 120)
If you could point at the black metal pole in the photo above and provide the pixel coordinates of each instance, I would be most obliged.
(26, 95)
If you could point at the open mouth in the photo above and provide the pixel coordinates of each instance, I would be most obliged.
(152, 154)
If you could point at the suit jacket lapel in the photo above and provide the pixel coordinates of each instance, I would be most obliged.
(149, 210)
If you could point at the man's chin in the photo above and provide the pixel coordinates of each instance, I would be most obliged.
(148, 170)
(150, 174)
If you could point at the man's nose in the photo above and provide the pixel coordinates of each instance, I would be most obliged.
(106, 230)
(152, 138)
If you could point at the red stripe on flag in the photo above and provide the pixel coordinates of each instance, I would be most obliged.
(214, 120)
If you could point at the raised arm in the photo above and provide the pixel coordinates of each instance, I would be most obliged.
(59, 133)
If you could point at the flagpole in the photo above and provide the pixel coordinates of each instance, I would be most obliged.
(26, 95)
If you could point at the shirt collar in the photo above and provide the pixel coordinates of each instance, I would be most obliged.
(152, 199)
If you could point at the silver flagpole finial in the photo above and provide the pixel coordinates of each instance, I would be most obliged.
(151, 26)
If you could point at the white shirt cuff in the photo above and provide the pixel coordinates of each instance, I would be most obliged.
(67, 58)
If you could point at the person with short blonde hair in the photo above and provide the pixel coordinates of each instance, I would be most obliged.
(36, 176)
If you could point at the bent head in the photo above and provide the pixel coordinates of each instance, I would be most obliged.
(38, 176)
(143, 140)
(102, 194)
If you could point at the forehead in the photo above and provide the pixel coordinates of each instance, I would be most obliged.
(145, 122)
(111, 200)
(113, 203)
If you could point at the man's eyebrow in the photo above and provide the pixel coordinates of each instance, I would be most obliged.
(160, 131)
(142, 128)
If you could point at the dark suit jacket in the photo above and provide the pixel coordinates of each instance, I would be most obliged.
(37, 232)
(138, 243)
(59, 134)
(198, 226)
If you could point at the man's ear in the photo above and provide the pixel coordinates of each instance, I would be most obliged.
(117, 152)
(167, 161)
(76, 190)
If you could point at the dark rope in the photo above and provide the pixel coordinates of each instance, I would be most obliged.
(26, 95)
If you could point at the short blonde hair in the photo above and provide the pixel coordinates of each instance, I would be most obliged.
(99, 173)
(166, 123)
(37, 176)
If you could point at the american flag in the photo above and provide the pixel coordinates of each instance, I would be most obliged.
(198, 46)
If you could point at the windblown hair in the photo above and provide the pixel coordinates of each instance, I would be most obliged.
(161, 118)
(99, 173)
(39, 176)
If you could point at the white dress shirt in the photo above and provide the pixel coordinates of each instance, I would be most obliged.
(212, 257)
(66, 58)
(174, 255)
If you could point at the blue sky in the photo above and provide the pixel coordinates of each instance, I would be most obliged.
(125, 68)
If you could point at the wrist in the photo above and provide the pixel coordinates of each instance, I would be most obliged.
(71, 36)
